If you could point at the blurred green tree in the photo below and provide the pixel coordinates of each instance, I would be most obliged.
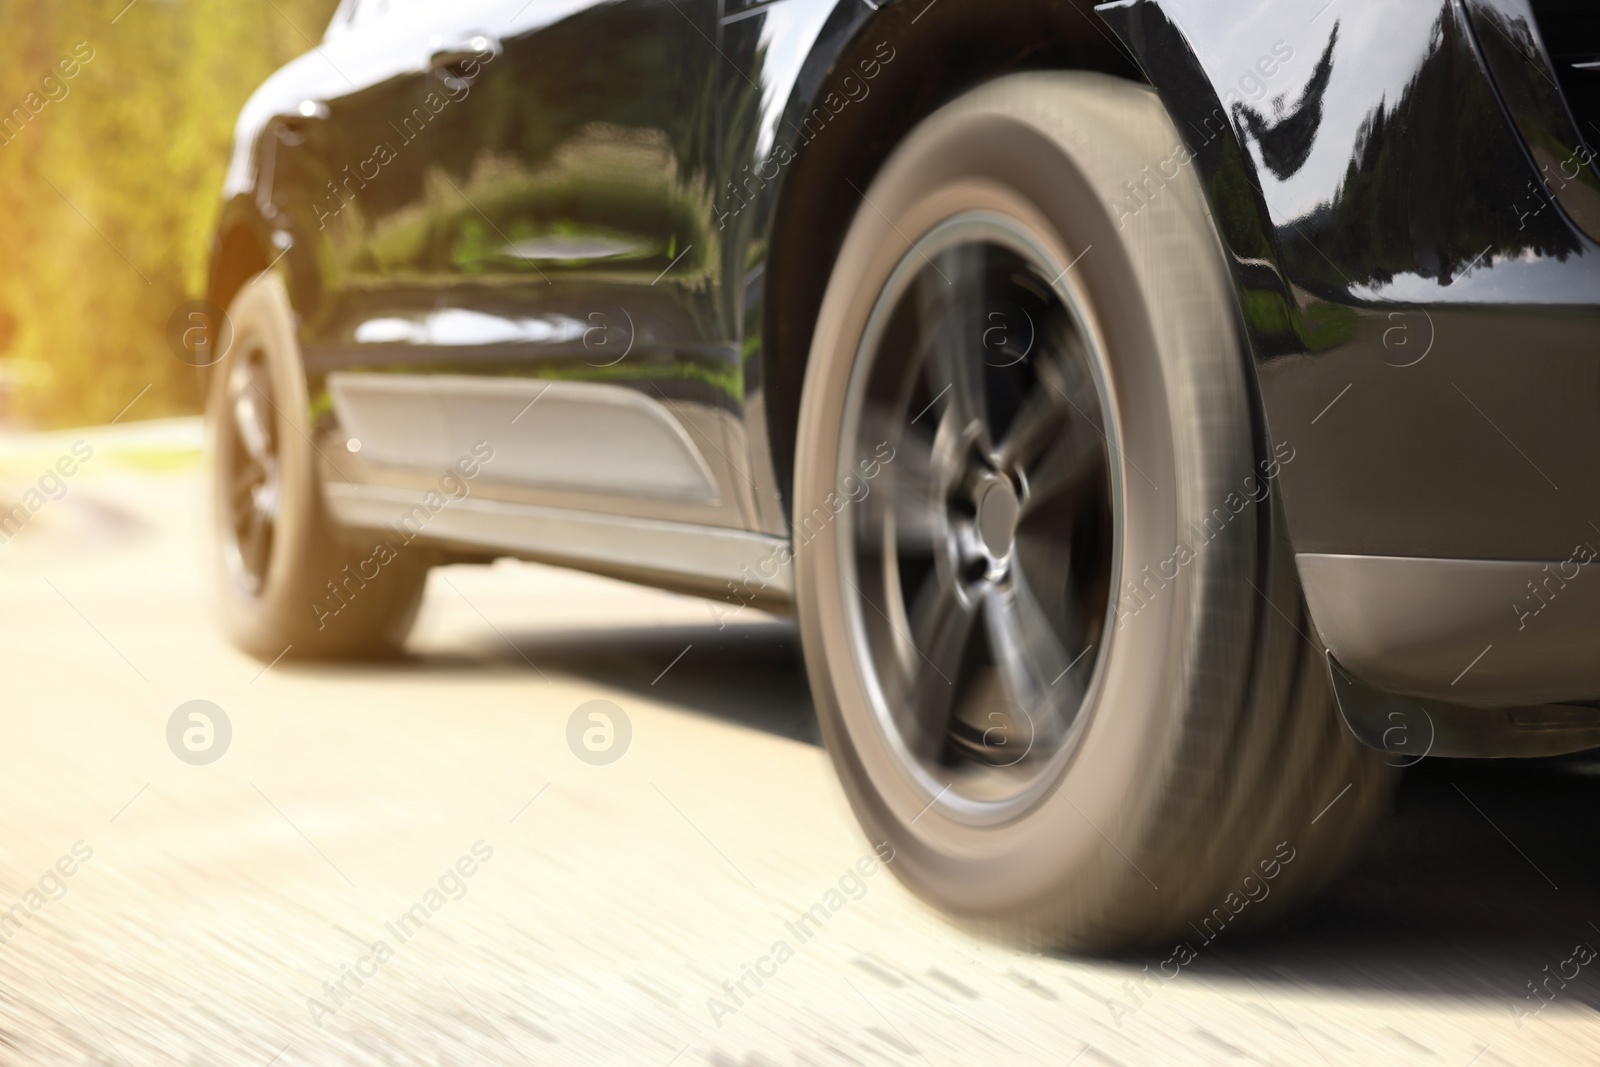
(109, 186)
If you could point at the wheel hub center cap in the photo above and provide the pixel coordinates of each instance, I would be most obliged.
(997, 516)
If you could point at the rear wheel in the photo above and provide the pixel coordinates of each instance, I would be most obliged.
(286, 577)
(1055, 633)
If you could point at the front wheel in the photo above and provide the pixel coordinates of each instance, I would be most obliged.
(1055, 635)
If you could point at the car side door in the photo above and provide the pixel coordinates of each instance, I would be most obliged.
(565, 235)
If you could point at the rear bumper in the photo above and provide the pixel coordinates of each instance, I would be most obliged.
(1466, 631)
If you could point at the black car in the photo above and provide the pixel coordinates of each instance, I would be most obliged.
(1165, 419)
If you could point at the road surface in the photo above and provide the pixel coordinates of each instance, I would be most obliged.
(408, 863)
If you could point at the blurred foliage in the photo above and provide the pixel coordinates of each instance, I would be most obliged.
(111, 188)
(1406, 207)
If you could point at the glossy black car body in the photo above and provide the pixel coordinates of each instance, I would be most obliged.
(627, 212)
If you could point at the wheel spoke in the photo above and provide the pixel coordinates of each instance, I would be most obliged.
(1072, 459)
(942, 624)
(1056, 438)
(946, 302)
(255, 544)
(245, 479)
(1041, 419)
(912, 489)
(1043, 570)
(1044, 564)
(252, 468)
(251, 412)
(1031, 660)
(904, 485)
(267, 498)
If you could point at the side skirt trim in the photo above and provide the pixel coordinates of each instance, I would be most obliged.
(691, 558)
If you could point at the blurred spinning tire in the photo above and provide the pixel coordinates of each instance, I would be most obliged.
(1054, 639)
(286, 577)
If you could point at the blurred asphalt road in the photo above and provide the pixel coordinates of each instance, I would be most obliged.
(218, 900)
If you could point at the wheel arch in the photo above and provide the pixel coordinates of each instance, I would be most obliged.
(238, 252)
(949, 49)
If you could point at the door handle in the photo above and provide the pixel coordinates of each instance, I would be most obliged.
(474, 46)
(291, 125)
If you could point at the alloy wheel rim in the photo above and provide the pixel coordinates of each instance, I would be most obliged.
(979, 567)
(250, 472)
